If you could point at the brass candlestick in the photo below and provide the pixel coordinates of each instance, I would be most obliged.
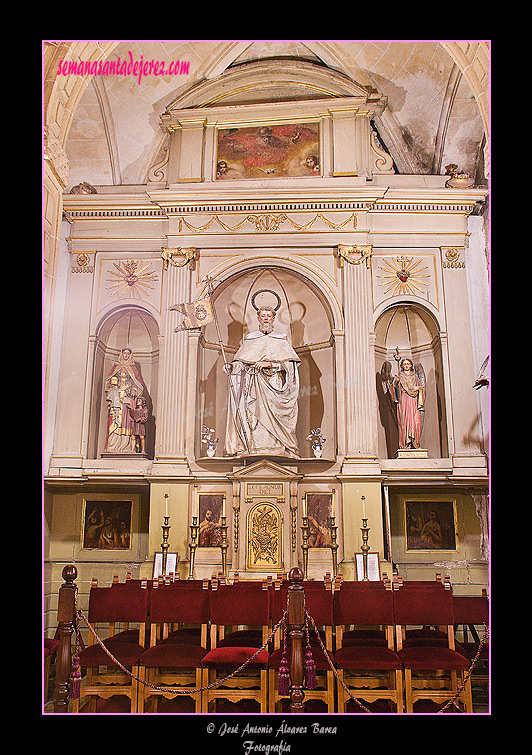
(224, 545)
(194, 527)
(333, 527)
(165, 544)
(305, 546)
(365, 548)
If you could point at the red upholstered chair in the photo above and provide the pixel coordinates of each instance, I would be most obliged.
(471, 615)
(174, 660)
(104, 679)
(50, 649)
(121, 631)
(187, 632)
(431, 634)
(433, 670)
(369, 668)
(318, 603)
(471, 621)
(231, 606)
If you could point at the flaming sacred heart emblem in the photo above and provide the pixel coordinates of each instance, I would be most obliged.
(402, 275)
(132, 278)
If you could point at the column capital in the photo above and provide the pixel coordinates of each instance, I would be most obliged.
(346, 252)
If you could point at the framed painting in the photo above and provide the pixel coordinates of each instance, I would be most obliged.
(319, 508)
(211, 508)
(268, 151)
(374, 569)
(106, 525)
(430, 525)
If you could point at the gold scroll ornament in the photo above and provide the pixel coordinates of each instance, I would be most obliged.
(345, 252)
(184, 255)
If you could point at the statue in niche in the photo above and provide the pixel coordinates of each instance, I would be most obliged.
(406, 392)
(126, 407)
(264, 390)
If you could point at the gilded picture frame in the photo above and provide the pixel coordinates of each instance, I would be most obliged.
(268, 150)
(319, 508)
(106, 524)
(210, 508)
(430, 524)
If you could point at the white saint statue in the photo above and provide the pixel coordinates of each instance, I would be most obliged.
(262, 414)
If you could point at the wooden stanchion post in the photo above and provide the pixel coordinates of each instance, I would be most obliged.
(66, 616)
(296, 629)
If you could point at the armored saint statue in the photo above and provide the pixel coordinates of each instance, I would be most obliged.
(264, 391)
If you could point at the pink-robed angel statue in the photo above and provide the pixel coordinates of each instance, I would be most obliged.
(406, 393)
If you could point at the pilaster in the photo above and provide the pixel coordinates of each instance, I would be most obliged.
(173, 381)
(360, 400)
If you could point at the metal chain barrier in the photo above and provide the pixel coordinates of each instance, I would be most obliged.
(452, 701)
(185, 690)
(331, 664)
(282, 621)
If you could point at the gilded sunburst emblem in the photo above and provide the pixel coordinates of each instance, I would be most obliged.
(132, 278)
(403, 276)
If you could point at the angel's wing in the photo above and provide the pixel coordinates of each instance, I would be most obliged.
(387, 386)
(420, 372)
(386, 375)
(481, 380)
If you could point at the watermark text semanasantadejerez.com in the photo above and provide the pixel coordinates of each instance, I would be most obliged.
(127, 67)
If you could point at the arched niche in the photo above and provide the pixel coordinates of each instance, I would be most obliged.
(305, 317)
(415, 332)
(123, 327)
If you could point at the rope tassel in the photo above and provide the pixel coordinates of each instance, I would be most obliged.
(75, 679)
(310, 666)
(284, 678)
(284, 671)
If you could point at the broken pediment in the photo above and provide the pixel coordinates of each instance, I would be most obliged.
(272, 81)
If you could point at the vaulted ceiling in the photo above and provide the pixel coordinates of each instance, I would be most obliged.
(436, 94)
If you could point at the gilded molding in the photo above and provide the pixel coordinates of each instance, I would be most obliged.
(269, 222)
(157, 172)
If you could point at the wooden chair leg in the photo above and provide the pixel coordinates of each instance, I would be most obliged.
(330, 692)
(141, 691)
(264, 691)
(271, 690)
(342, 697)
(134, 690)
(409, 698)
(399, 688)
(467, 695)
